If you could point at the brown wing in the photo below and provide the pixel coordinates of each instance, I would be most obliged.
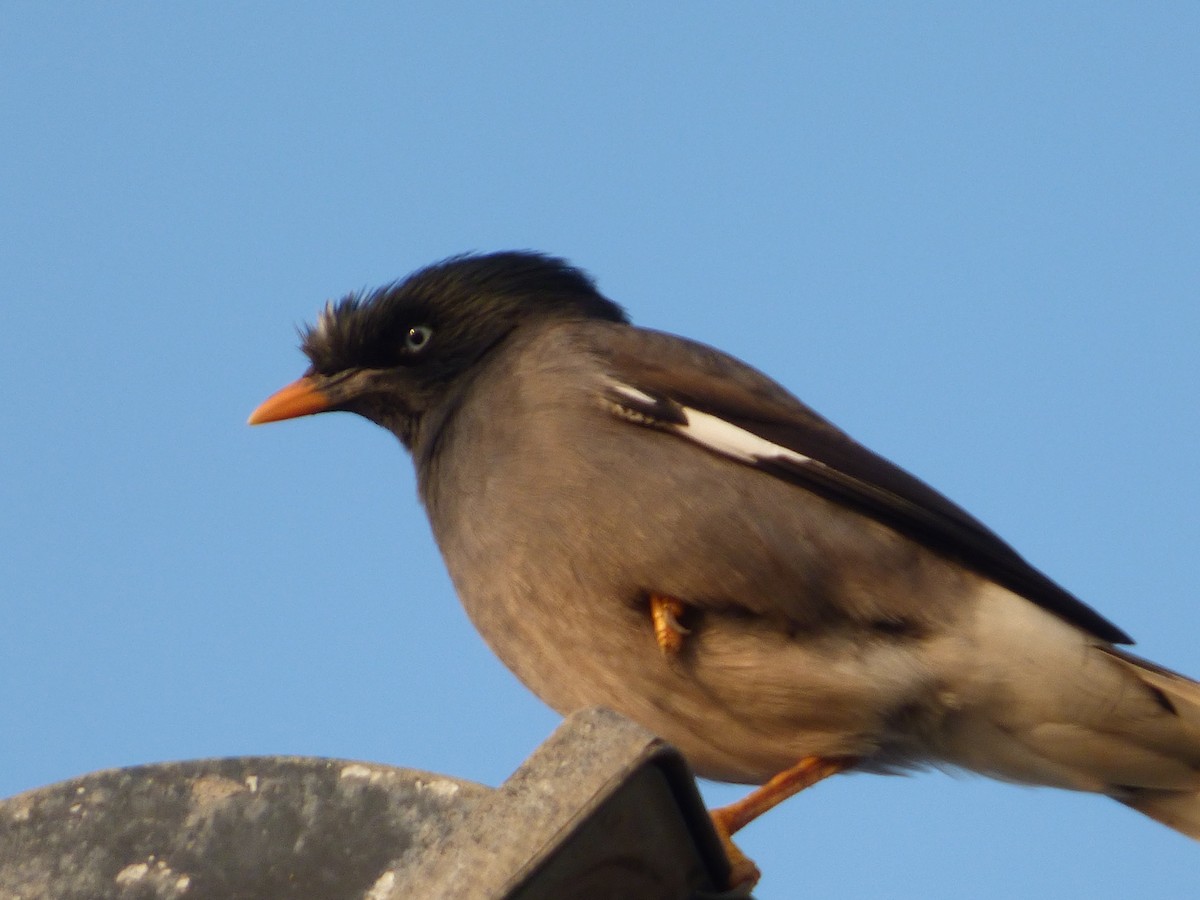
(675, 374)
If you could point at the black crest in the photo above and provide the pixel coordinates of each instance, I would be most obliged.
(461, 298)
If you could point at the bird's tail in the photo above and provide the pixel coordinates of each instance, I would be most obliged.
(1061, 708)
(1180, 697)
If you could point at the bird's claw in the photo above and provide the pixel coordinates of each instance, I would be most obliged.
(668, 631)
(743, 873)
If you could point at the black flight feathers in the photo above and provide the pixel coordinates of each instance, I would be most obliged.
(827, 462)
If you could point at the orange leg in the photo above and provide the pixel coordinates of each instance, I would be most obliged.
(728, 820)
(668, 632)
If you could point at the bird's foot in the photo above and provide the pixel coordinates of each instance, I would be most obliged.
(728, 820)
(743, 873)
(668, 631)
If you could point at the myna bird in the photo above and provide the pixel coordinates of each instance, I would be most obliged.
(637, 521)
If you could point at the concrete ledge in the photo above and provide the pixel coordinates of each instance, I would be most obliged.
(603, 809)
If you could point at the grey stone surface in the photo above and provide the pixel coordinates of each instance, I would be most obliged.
(225, 828)
(601, 810)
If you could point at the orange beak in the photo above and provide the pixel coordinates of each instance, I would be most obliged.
(300, 398)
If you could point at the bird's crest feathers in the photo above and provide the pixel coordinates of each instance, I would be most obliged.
(460, 295)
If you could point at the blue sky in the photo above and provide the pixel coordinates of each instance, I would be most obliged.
(966, 232)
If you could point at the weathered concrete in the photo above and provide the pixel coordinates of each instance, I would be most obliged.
(602, 810)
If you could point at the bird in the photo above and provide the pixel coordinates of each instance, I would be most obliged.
(638, 521)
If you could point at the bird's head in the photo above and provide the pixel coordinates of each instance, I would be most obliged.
(392, 354)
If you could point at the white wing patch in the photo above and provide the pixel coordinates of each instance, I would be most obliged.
(712, 432)
(717, 434)
(629, 391)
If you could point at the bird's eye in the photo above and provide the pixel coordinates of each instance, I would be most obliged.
(417, 338)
